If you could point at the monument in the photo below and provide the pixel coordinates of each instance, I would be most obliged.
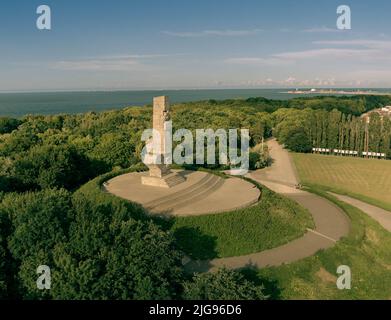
(178, 192)
(159, 173)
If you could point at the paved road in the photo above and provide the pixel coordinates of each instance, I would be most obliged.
(380, 215)
(330, 221)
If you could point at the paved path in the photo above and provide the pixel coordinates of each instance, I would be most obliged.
(330, 221)
(380, 215)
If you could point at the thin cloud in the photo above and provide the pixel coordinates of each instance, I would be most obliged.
(286, 58)
(97, 65)
(270, 61)
(373, 44)
(326, 53)
(373, 50)
(124, 62)
(321, 30)
(217, 33)
(139, 56)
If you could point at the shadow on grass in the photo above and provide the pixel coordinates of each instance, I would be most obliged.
(271, 286)
(196, 244)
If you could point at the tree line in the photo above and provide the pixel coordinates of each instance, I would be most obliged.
(304, 129)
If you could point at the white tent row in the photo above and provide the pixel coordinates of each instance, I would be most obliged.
(320, 150)
(350, 152)
(374, 154)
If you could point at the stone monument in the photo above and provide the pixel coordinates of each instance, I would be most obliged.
(159, 173)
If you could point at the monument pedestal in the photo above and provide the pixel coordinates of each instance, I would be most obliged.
(167, 181)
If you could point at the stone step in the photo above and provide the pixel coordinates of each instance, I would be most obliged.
(183, 194)
(158, 201)
(174, 180)
(182, 198)
(195, 196)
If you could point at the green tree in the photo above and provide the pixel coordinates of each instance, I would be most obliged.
(375, 128)
(223, 285)
(111, 255)
(115, 149)
(7, 125)
(51, 166)
(298, 142)
(332, 132)
(4, 258)
(40, 221)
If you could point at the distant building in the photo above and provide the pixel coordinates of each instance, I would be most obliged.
(382, 112)
(385, 111)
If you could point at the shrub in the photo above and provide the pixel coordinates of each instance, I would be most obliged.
(298, 142)
(223, 285)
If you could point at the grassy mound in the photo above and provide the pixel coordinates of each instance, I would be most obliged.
(273, 221)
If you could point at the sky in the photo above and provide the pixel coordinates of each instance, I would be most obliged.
(190, 44)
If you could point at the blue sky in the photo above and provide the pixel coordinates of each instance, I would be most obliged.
(105, 45)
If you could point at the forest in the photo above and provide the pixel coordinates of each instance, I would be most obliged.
(101, 247)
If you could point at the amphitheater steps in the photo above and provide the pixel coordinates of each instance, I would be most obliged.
(159, 201)
(195, 197)
(174, 180)
(197, 191)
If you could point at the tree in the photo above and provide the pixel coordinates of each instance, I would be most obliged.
(18, 141)
(110, 255)
(374, 128)
(332, 134)
(223, 285)
(115, 149)
(4, 258)
(39, 222)
(298, 142)
(254, 160)
(51, 166)
(7, 125)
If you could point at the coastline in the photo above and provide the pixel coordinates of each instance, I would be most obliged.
(340, 92)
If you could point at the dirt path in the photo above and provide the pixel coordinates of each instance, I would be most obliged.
(330, 221)
(380, 215)
(282, 169)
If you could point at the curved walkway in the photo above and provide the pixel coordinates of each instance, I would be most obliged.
(330, 221)
(380, 215)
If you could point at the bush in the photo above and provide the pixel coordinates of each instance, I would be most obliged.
(51, 166)
(258, 160)
(7, 125)
(110, 255)
(223, 285)
(95, 248)
(298, 142)
(115, 150)
(39, 222)
(4, 261)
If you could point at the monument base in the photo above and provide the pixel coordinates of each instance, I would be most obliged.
(168, 181)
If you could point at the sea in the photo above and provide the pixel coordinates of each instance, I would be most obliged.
(45, 103)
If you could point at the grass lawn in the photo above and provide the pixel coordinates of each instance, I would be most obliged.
(366, 250)
(365, 179)
(275, 220)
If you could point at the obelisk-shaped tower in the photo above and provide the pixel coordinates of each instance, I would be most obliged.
(159, 173)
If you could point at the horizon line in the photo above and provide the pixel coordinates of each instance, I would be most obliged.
(185, 89)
